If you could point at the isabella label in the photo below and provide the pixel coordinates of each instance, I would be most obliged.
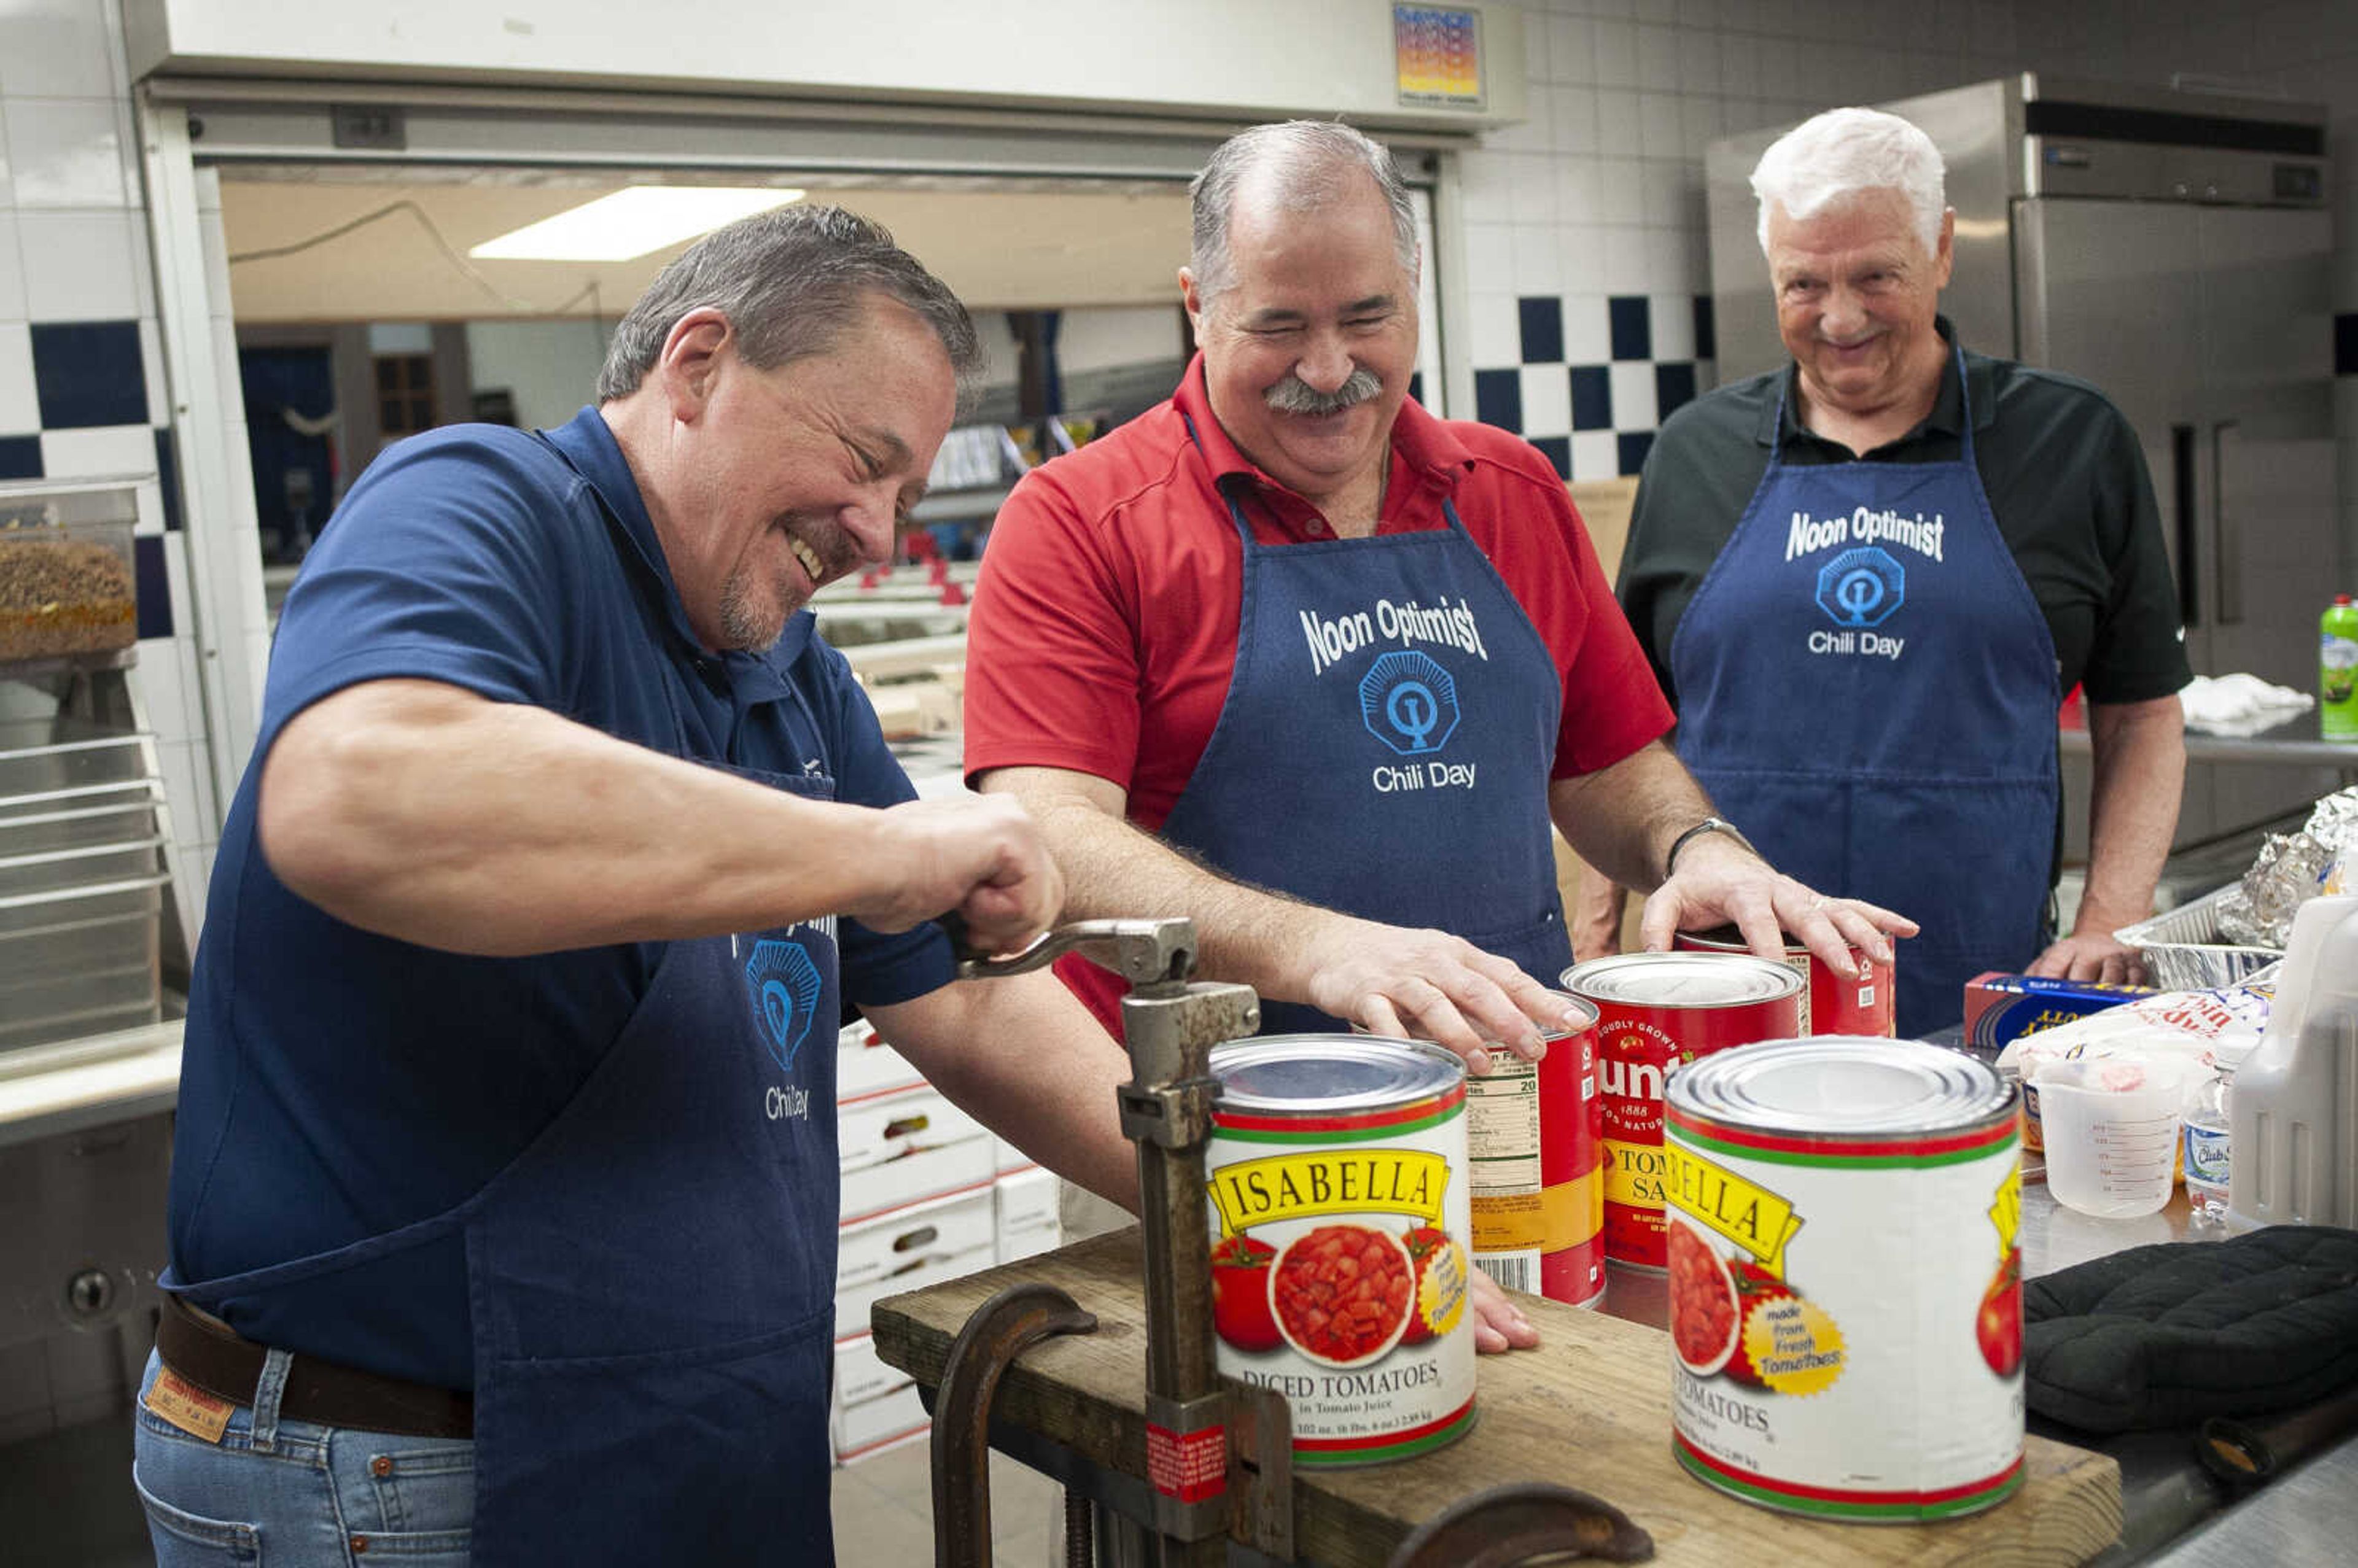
(1844, 1282)
(1336, 1181)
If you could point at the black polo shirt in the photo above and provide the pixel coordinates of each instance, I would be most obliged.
(2066, 482)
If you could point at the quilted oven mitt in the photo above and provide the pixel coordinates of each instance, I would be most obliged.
(2168, 1336)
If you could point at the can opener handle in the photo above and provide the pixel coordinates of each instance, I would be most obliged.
(1143, 952)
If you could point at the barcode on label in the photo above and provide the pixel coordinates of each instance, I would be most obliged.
(1514, 1270)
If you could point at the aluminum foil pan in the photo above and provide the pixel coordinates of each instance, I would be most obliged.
(2290, 870)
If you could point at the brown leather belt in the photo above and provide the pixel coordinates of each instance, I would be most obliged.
(225, 1364)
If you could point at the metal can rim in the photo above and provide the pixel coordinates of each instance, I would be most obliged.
(1781, 981)
(1424, 1070)
(1574, 1030)
(1728, 939)
(1722, 1089)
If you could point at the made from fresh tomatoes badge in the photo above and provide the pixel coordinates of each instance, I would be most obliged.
(1241, 1312)
(1440, 1283)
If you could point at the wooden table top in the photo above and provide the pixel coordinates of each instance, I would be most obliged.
(1590, 1409)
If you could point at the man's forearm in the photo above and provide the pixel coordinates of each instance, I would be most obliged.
(1623, 820)
(1113, 870)
(1413, 980)
(426, 813)
(2138, 764)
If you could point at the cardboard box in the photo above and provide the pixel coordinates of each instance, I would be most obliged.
(2000, 1007)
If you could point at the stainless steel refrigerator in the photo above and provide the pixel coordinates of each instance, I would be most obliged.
(2176, 250)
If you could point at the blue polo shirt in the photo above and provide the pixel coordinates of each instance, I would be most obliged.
(336, 1083)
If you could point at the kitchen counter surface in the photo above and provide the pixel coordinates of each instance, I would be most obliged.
(2291, 742)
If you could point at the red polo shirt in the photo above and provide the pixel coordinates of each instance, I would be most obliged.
(1104, 625)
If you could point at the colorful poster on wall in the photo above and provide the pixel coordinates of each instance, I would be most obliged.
(1437, 51)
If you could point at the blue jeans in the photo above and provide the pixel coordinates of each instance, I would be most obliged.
(293, 1493)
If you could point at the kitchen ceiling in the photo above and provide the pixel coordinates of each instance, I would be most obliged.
(309, 244)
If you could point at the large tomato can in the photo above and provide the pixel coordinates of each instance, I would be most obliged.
(1340, 1216)
(1536, 1190)
(1656, 1012)
(1833, 1004)
(1845, 1278)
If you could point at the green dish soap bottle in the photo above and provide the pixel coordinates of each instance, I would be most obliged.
(2337, 670)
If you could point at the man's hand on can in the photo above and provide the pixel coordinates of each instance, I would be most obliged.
(1718, 881)
(1429, 985)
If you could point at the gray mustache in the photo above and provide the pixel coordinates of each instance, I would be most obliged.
(1295, 395)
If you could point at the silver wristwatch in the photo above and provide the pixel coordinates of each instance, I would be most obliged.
(1708, 825)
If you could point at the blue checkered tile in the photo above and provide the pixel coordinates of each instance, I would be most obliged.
(89, 374)
(1598, 420)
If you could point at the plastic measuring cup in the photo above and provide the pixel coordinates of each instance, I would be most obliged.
(2111, 1129)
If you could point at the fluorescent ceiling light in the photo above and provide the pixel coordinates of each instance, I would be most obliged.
(632, 221)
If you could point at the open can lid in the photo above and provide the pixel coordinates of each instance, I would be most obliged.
(1323, 1074)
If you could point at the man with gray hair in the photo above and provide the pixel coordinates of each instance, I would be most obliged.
(505, 1197)
(1290, 655)
(1867, 578)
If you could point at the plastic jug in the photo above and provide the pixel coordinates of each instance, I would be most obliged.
(2293, 1114)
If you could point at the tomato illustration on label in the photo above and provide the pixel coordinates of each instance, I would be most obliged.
(1341, 1293)
(1240, 1313)
(1705, 1313)
(1713, 1298)
(1997, 1328)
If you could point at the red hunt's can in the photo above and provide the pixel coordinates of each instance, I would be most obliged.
(1832, 1005)
(1657, 1011)
(1531, 1132)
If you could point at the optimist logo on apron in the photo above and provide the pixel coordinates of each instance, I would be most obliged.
(1409, 703)
(1862, 588)
(785, 985)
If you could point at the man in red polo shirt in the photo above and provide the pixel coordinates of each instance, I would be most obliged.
(1291, 656)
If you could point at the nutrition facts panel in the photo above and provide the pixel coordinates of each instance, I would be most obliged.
(1502, 1128)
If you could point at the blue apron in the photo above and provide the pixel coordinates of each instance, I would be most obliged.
(1385, 746)
(651, 1282)
(1867, 688)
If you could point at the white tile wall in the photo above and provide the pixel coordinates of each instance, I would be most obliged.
(20, 413)
(78, 265)
(64, 151)
(100, 452)
(73, 249)
(58, 47)
(11, 269)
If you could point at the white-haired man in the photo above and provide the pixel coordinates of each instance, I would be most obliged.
(1865, 580)
(1290, 655)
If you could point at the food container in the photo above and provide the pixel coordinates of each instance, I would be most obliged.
(1340, 1218)
(2184, 950)
(1538, 1194)
(1833, 1004)
(2002, 1008)
(1845, 1278)
(1655, 1011)
(66, 573)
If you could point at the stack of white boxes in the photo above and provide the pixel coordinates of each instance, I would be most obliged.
(928, 1193)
